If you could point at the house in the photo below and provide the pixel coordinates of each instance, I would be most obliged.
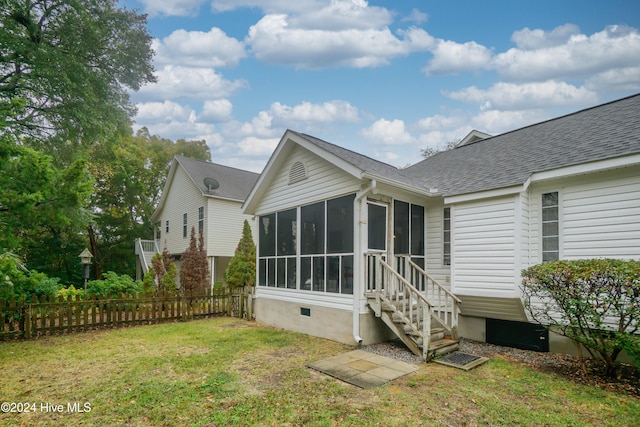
(356, 250)
(206, 196)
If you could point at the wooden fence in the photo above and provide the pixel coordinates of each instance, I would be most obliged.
(38, 317)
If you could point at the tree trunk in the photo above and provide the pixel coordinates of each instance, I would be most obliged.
(97, 261)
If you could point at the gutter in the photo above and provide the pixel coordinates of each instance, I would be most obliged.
(357, 293)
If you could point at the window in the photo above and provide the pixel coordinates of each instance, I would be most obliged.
(408, 231)
(446, 237)
(167, 226)
(550, 227)
(201, 219)
(184, 225)
(321, 260)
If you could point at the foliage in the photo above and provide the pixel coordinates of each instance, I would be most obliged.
(432, 151)
(74, 62)
(595, 303)
(20, 283)
(194, 268)
(114, 284)
(129, 177)
(70, 292)
(164, 272)
(43, 209)
(242, 267)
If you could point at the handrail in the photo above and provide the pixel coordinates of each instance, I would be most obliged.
(430, 277)
(415, 286)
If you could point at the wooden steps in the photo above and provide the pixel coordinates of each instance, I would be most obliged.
(409, 330)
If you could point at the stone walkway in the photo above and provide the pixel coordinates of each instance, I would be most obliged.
(363, 369)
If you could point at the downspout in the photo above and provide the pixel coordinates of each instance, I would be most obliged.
(362, 229)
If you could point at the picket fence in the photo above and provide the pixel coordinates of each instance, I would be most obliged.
(53, 316)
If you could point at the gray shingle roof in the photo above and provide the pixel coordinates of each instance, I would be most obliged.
(364, 163)
(234, 183)
(606, 131)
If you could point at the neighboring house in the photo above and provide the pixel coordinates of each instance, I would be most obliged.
(341, 234)
(206, 196)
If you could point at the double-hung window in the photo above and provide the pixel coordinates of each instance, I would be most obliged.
(184, 225)
(201, 219)
(446, 237)
(550, 227)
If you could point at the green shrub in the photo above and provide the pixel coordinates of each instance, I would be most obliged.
(594, 302)
(114, 284)
(20, 283)
(70, 292)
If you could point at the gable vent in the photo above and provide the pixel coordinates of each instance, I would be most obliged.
(297, 173)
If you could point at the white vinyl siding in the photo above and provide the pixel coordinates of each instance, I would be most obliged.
(602, 219)
(324, 181)
(433, 213)
(183, 196)
(599, 216)
(483, 247)
(225, 221)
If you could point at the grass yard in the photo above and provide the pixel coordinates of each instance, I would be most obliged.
(231, 372)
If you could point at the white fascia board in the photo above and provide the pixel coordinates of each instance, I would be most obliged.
(400, 185)
(484, 194)
(332, 158)
(584, 168)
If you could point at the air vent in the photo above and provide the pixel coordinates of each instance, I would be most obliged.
(297, 173)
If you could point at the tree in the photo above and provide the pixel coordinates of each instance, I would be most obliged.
(72, 61)
(194, 268)
(164, 271)
(595, 303)
(42, 208)
(432, 151)
(129, 177)
(241, 270)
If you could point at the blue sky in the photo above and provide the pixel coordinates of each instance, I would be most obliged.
(383, 78)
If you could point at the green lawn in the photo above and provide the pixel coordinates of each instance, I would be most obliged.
(232, 372)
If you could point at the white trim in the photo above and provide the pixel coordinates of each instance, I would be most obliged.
(598, 166)
(319, 299)
(499, 192)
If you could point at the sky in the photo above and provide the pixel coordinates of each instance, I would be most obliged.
(382, 78)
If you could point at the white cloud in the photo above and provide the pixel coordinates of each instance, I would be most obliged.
(439, 122)
(254, 146)
(273, 40)
(619, 79)
(199, 49)
(218, 110)
(388, 132)
(416, 16)
(527, 39)
(172, 7)
(155, 112)
(580, 56)
(260, 125)
(327, 112)
(193, 83)
(502, 96)
(269, 6)
(451, 58)
(495, 122)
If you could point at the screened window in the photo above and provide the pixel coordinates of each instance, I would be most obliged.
(550, 227)
(340, 225)
(312, 219)
(201, 219)
(267, 235)
(446, 237)
(321, 259)
(408, 229)
(184, 225)
(287, 232)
